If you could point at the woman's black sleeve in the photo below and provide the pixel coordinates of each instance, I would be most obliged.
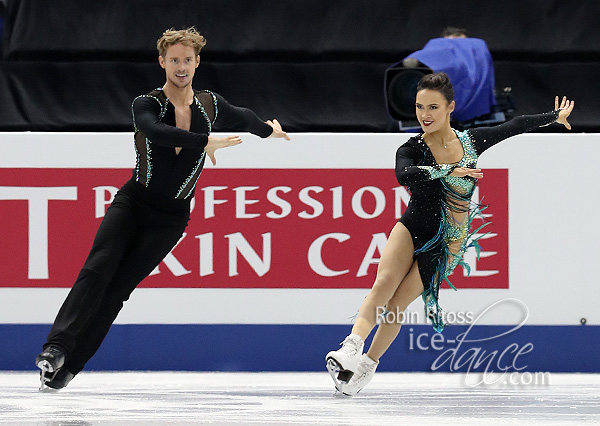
(408, 172)
(486, 137)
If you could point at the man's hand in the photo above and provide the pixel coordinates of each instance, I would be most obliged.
(217, 143)
(566, 107)
(277, 131)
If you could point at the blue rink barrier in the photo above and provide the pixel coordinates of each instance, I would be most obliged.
(250, 347)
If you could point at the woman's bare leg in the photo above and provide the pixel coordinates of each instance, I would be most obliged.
(395, 263)
(409, 289)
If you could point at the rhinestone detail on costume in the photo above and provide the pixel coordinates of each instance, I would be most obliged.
(464, 184)
(163, 110)
(438, 171)
(190, 177)
(199, 162)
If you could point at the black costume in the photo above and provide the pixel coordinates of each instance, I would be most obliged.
(147, 217)
(437, 197)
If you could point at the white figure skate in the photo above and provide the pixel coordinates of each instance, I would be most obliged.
(363, 375)
(342, 363)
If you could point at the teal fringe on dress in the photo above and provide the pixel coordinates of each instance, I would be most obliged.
(459, 202)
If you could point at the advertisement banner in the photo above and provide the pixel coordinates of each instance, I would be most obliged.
(249, 228)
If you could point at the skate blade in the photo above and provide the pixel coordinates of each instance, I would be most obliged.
(46, 375)
(340, 394)
(48, 389)
(340, 377)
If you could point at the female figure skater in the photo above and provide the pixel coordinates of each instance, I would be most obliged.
(172, 126)
(428, 242)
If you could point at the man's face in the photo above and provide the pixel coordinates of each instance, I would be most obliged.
(180, 64)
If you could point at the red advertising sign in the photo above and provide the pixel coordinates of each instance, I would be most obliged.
(249, 228)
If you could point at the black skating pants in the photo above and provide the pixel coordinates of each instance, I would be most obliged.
(131, 241)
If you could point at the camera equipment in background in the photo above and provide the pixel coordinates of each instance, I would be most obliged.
(468, 63)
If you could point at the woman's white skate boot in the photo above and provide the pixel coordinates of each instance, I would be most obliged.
(342, 363)
(363, 375)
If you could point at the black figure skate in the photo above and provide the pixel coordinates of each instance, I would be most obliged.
(58, 379)
(49, 361)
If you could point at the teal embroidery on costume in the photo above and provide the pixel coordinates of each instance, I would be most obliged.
(436, 172)
(457, 193)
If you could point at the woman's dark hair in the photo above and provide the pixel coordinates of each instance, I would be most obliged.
(438, 81)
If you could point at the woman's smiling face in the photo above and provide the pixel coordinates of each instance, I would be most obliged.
(433, 110)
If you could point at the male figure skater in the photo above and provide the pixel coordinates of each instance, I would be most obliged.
(172, 126)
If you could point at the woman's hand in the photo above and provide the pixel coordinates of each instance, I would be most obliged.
(465, 171)
(217, 143)
(565, 108)
(277, 131)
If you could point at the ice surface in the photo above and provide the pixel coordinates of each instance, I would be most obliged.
(184, 398)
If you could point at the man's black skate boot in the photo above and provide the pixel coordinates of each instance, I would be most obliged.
(57, 380)
(50, 360)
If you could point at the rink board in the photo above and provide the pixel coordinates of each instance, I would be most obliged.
(226, 347)
(282, 248)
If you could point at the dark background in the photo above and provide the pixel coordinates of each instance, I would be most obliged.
(316, 65)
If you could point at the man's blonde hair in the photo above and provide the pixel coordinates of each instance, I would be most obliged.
(188, 37)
